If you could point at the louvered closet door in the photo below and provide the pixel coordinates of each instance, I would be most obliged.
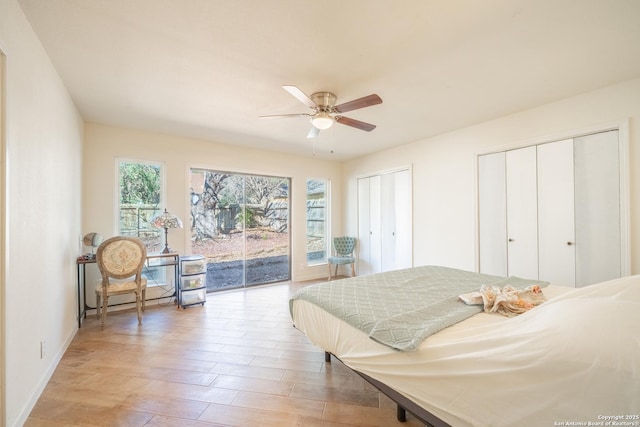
(556, 235)
(492, 214)
(522, 212)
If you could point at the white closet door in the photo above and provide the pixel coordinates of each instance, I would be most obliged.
(492, 214)
(597, 194)
(387, 222)
(522, 210)
(403, 215)
(364, 227)
(369, 225)
(375, 224)
(384, 223)
(556, 235)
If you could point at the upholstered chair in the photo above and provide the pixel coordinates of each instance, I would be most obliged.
(120, 260)
(343, 254)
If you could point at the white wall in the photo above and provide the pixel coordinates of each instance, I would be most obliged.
(103, 144)
(43, 187)
(444, 168)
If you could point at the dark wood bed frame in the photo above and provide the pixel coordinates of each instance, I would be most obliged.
(403, 403)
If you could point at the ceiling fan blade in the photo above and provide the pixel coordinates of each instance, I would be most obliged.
(355, 123)
(300, 95)
(285, 115)
(313, 132)
(365, 101)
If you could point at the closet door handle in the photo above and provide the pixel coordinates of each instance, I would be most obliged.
(511, 240)
(570, 243)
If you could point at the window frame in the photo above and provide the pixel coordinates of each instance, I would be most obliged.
(156, 275)
(118, 173)
(327, 222)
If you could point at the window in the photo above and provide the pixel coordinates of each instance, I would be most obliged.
(317, 204)
(240, 223)
(140, 189)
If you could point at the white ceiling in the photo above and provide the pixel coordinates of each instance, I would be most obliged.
(208, 68)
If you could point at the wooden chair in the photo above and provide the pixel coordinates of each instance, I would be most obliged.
(343, 247)
(120, 260)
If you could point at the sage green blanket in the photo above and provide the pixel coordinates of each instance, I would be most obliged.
(402, 308)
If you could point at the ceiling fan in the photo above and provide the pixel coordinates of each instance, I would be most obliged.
(326, 112)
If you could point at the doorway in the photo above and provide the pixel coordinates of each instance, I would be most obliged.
(240, 223)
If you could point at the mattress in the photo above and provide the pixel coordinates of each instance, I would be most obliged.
(572, 359)
(401, 308)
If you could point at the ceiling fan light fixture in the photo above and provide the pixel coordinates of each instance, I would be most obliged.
(322, 121)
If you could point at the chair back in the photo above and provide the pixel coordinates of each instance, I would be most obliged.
(120, 257)
(344, 246)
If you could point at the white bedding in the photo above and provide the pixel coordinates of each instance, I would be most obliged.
(575, 358)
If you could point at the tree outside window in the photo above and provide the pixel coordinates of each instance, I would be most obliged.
(140, 186)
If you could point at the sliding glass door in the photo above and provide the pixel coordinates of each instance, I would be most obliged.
(240, 223)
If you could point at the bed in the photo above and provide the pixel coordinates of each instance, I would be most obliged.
(573, 359)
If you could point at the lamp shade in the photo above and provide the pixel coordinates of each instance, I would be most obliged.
(166, 220)
(322, 121)
(92, 240)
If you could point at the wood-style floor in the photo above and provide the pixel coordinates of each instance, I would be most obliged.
(236, 361)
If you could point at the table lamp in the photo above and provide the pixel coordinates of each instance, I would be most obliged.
(166, 220)
(92, 240)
